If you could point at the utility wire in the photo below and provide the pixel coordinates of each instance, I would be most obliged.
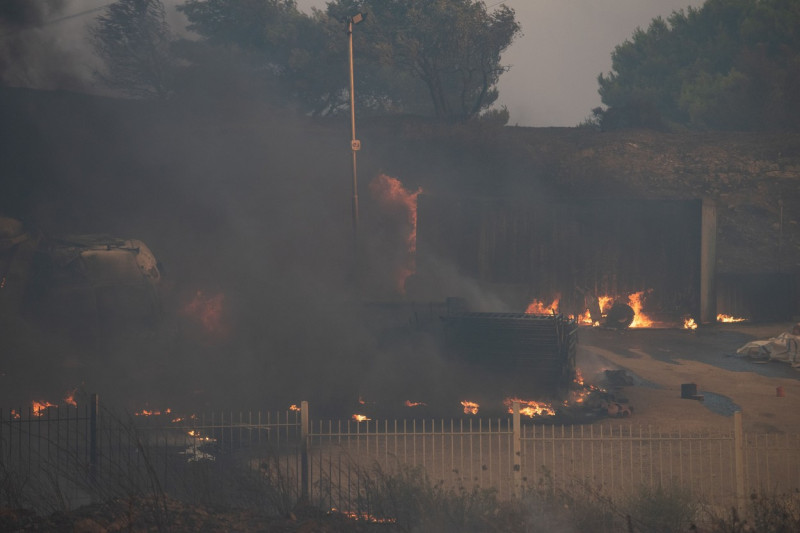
(75, 15)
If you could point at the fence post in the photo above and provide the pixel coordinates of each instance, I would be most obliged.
(94, 404)
(517, 450)
(304, 423)
(738, 446)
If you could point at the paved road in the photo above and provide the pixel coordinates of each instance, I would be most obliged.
(713, 345)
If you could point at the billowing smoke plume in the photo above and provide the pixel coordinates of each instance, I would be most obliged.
(34, 52)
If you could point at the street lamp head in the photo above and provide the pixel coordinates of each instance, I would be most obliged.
(358, 17)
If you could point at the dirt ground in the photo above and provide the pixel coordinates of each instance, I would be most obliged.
(661, 360)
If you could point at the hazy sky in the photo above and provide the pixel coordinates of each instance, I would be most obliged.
(554, 64)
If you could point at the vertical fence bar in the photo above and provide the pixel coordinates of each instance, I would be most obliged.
(738, 444)
(517, 445)
(93, 408)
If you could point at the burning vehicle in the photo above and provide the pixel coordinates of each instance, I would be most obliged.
(84, 283)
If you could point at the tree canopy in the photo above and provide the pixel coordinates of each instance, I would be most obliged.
(728, 65)
(429, 57)
(133, 39)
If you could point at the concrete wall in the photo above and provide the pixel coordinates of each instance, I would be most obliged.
(525, 250)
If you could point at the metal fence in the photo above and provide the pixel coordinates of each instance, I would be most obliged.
(64, 457)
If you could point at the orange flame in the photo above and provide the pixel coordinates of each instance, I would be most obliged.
(199, 436)
(14, 414)
(38, 408)
(581, 392)
(470, 408)
(293, 407)
(69, 397)
(365, 517)
(409, 403)
(729, 318)
(586, 319)
(640, 320)
(391, 194)
(689, 323)
(530, 408)
(537, 307)
(149, 412)
(361, 418)
(208, 311)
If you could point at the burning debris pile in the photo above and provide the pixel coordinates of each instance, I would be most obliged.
(605, 311)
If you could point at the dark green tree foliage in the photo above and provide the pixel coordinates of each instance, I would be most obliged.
(729, 65)
(280, 42)
(431, 57)
(133, 39)
(451, 47)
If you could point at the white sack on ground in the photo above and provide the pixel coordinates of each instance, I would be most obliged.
(783, 348)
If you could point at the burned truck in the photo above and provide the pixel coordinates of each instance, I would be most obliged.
(85, 284)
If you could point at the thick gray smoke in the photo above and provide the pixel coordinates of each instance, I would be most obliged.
(36, 53)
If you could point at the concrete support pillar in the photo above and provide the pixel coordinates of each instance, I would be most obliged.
(708, 262)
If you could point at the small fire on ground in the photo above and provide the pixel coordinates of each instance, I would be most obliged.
(530, 408)
(39, 407)
(364, 517)
(470, 408)
(689, 323)
(729, 319)
(153, 412)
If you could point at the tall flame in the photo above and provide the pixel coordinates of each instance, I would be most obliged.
(392, 194)
(640, 320)
(605, 303)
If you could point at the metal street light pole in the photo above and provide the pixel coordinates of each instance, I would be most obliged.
(355, 144)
